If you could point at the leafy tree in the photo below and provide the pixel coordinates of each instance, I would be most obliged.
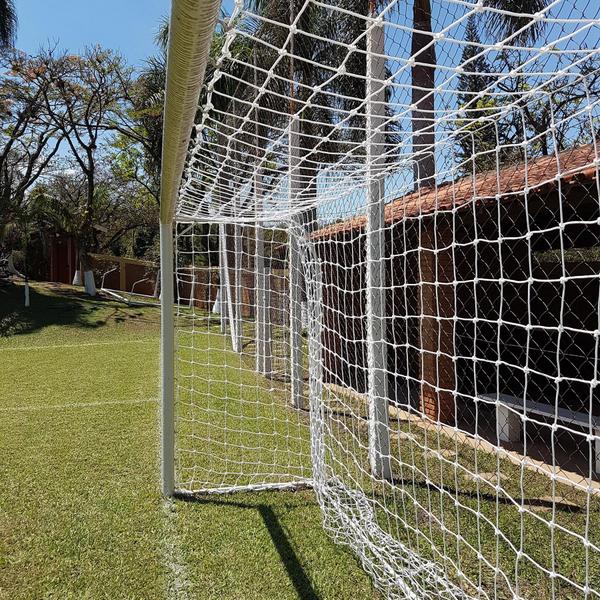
(477, 133)
(552, 116)
(28, 145)
(28, 142)
(121, 208)
(87, 97)
(140, 125)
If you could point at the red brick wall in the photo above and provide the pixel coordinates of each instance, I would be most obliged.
(62, 258)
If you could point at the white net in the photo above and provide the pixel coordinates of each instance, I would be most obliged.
(388, 275)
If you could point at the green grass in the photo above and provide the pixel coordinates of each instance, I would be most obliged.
(457, 523)
(80, 511)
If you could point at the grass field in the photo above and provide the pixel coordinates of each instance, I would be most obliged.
(449, 498)
(80, 511)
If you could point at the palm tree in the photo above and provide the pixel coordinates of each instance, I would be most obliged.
(8, 23)
(499, 26)
(423, 75)
(327, 129)
(302, 77)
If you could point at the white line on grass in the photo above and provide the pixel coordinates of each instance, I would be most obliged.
(82, 345)
(74, 405)
(179, 587)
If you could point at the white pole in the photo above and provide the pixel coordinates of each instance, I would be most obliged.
(222, 287)
(260, 280)
(228, 291)
(167, 323)
(379, 432)
(295, 295)
(314, 297)
(191, 30)
(267, 328)
(260, 296)
(157, 285)
(192, 299)
(238, 251)
(27, 304)
(295, 271)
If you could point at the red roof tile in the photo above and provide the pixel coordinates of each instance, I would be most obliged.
(534, 176)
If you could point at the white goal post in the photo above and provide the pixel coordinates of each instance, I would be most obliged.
(191, 28)
(380, 274)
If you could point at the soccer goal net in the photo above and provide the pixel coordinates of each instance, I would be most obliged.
(387, 283)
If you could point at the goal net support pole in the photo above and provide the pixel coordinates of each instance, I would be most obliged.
(238, 306)
(261, 296)
(379, 431)
(232, 302)
(222, 286)
(295, 270)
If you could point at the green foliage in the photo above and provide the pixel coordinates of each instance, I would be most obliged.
(552, 117)
(477, 135)
(105, 196)
(510, 22)
(28, 142)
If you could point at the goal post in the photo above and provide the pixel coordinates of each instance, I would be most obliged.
(396, 209)
(167, 351)
(191, 29)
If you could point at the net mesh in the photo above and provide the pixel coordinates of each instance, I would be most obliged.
(388, 282)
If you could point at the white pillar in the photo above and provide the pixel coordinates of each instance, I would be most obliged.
(295, 270)
(222, 286)
(508, 423)
(295, 299)
(238, 255)
(260, 296)
(89, 283)
(157, 285)
(262, 279)
(268, 327)
(229, 292)
(379, 432)
(314, 304)
(167, 323)
(597, 451)
(192, 299)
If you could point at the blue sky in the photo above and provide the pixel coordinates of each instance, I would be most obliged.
(124, 25)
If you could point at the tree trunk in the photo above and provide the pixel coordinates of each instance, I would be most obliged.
(423, 76)
(87, 237)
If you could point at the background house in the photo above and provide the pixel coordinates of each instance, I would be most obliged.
(479, 300)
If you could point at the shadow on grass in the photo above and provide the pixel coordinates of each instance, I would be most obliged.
(492, 499)
(55, 304)
(298, 576)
